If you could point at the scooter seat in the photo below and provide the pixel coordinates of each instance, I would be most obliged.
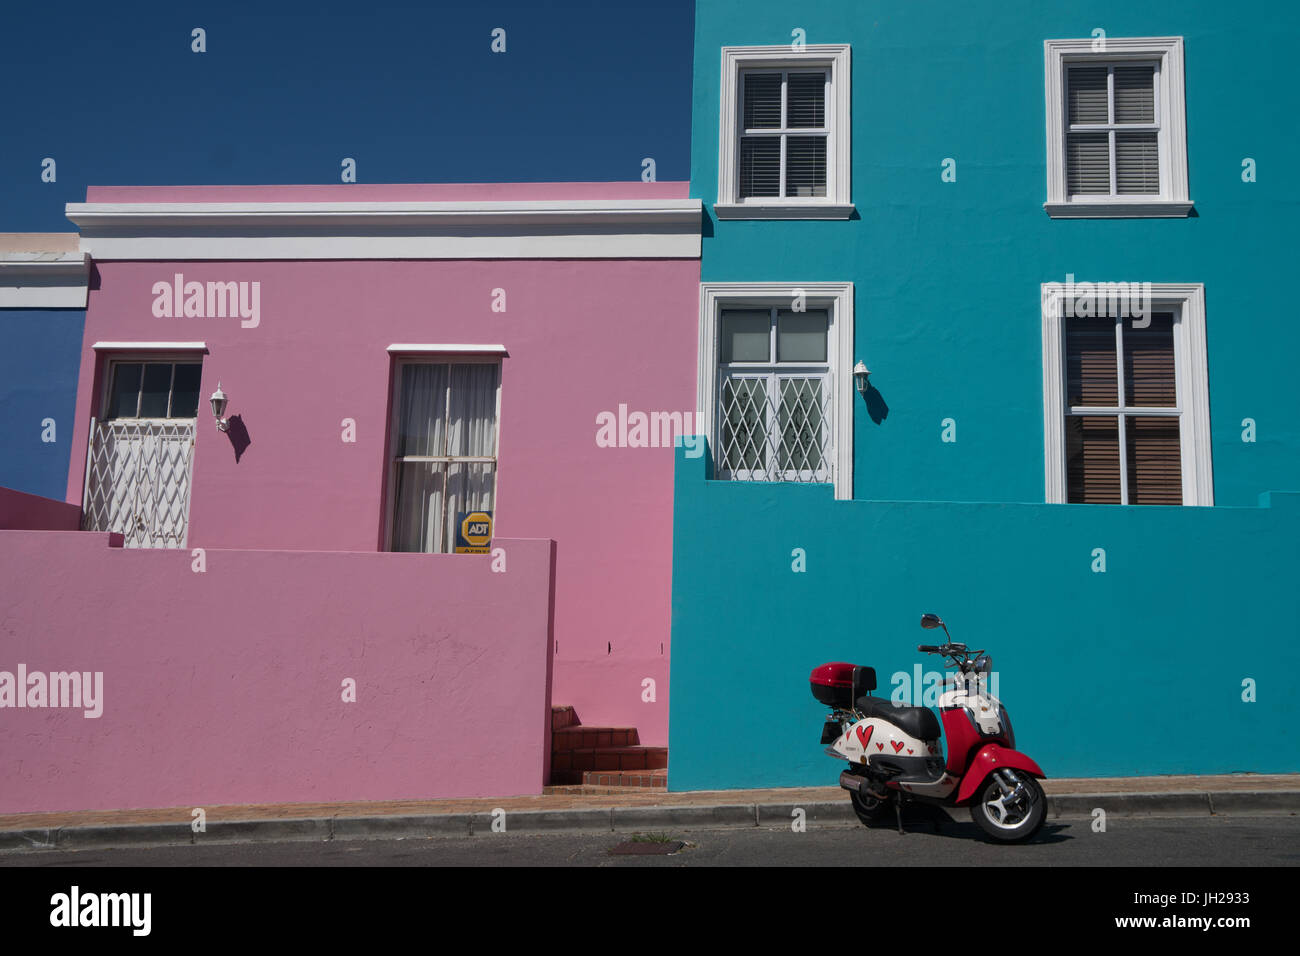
(919, 722)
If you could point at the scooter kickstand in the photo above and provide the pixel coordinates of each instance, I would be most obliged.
(898, 813)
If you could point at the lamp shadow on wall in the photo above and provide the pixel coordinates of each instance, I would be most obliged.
(876, 406)
(238, 435)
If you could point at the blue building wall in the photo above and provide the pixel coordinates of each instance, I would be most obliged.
(1138, 670)
(39, 361)
(947, 275)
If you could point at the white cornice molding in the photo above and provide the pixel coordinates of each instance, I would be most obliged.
(536, 229)
(44, 280)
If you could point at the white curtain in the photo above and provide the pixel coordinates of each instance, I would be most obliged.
(445, 411)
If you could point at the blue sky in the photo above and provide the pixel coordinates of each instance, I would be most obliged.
(412, 91)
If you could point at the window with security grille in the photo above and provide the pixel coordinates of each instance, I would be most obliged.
(1112, 141)
(444, 458)
(1123, 441)
(140, 459)
(774, 395)
(784, 132)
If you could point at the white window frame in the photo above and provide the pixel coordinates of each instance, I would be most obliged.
(738, 60)
(837, 299)
(772, 371)
(1170, 111)
(446, 355)
(1187, 302)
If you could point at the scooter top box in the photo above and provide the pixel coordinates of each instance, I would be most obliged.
(837, 684)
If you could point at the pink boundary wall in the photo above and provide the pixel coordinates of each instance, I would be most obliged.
(583, 335)
(224, 687)
(20, 511)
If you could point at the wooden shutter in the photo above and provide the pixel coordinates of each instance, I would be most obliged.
(1092, 459)
(1149, 377)
(1090, 365)
(1154, 459)
(1153, 450)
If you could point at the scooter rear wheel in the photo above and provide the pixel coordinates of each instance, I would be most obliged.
(871, 810)
(1011, 806)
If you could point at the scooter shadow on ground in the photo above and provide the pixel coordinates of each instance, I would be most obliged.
(922, 818)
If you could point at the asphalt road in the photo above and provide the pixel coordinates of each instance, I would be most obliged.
(1259, 841)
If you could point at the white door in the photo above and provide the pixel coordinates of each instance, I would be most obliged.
(141, 453)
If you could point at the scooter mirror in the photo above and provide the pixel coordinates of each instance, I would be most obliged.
(930, 621)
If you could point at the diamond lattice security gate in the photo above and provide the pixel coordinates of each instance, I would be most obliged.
(138, 481)
(775, 427)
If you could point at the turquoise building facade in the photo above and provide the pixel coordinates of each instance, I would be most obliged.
(955, 204)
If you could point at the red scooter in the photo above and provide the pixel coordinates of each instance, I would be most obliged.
(895, 751)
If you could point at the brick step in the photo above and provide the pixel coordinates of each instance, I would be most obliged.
(608, 759)
(563, 716)
(586, 738)
(601, 781)
(623, 779)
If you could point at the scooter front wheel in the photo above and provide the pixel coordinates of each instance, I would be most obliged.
(1011, 806)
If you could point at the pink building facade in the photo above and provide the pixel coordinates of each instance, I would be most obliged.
(399, 363)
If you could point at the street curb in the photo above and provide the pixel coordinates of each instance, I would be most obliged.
(1132, 804)
(605, 819)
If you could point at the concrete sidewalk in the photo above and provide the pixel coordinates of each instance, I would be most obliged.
(612, 811)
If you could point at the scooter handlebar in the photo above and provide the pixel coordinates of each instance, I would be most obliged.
(927, 649)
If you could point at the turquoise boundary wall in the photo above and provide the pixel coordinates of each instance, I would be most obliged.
(1134, 671)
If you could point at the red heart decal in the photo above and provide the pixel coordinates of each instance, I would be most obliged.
(880, 746)
(864, 738)
(897, 745)
(909, 749)
(933, 749)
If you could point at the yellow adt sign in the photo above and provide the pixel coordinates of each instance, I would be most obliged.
(475, 533)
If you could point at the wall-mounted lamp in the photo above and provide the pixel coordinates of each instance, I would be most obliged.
(860, 375)
(218, 401)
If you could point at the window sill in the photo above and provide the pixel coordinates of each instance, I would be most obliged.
(783, 210)
(1152, 209)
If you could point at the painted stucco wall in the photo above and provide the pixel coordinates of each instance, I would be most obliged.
(1137, 670)
(225, 687)
(947, 275)
(23, 512)
(584, 336)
